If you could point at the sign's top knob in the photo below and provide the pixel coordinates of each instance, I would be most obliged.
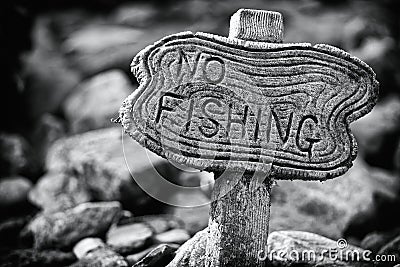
(257, 25)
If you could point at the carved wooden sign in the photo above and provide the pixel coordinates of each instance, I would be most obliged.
(248, 107)
(208, 101)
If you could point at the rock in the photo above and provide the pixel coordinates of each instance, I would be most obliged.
(93, 252)
(392, 250)
(176, 236)
(96, 101)
(375, 43)
(371, 46)
(192, 207)
(328, 208)
(100, 44)
(14, 191)
(58, 191)
(134, 258)
(283, 244)
(15, 156)
(376, 132)
(95, 48)
(373, 50)
(189, 177)
(48, 129)
(129, 238)
(34, 258)
(379, 216)
(376, 240)
(135, 14)
(86, 245)
(64, 229)
(207, 183)
(160, 223)
(202, 179)
(10, 231)
(99, 159)
(160, 256)
(46, 86)
(397, 159)
(192, 253)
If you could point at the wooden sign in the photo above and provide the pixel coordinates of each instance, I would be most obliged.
(248, 107)
(208, 101)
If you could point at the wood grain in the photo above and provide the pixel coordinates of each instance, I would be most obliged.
(210, 102)
(238, 226)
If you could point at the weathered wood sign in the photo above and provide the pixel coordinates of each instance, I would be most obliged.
(205, 100)
(218, 104)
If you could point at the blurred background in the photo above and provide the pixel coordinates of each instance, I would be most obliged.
(63, 178)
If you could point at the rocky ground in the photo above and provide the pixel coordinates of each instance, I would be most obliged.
(67, 197)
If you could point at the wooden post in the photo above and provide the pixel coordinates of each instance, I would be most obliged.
(238, 227)
(248, 107)
(239, 214)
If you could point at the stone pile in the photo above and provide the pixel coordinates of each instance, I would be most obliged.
(67, 193)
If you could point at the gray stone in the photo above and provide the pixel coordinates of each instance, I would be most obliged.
(192, 253)
(189, 178)
(376, 47)
(176, 236)
(290, 248)
(202, 179)
(134, 258)
(95, 47)
(136, 14)
(129, 238)
(13, 191)
(95, 101)
(192, 208)
(93, 252)
(32, 257)
(376, 240)
(48, 129)
(160, 223)
(100, 160)
(207, 183)
(58, 191)
(10, 230)
(159, 256)
(391, 249)
(397, 158)
(64, 229)
(15, 156)
(46, 86)
(327, 208)
(375, 130)
(86, 245)
(373, 49)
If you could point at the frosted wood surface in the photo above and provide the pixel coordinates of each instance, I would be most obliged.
(212, 103)
(238, 226)
(257, 25)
